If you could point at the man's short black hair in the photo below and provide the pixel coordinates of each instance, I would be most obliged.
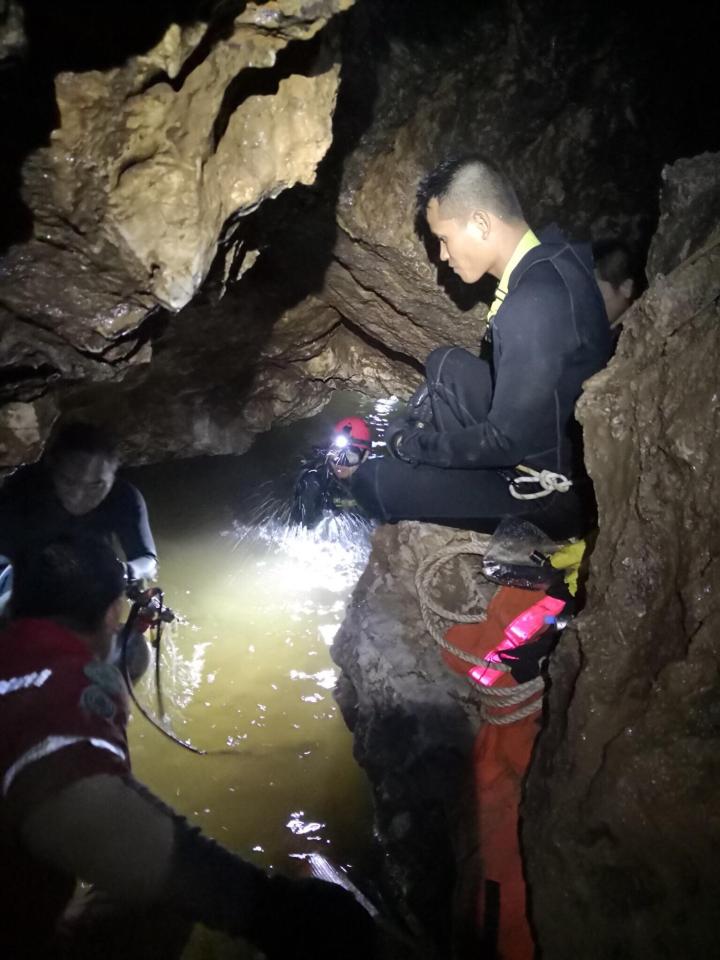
(79, 437)
(615, 261)
(71, 578)
(469, 183)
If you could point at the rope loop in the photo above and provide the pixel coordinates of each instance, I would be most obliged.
(527, 697)
(548, 482)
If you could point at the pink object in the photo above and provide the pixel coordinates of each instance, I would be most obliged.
(530, 622)
(525, 627)
(486, 675)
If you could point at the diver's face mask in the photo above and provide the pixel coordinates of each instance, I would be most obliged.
(343, 453)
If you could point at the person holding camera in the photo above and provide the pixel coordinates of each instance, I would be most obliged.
(75, 489)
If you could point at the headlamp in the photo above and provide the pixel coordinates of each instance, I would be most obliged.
(340, 441)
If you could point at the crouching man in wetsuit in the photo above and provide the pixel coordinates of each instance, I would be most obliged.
(463, 451)
(70, 807)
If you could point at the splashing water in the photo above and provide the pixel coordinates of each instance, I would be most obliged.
(250, 669)
(333, 554)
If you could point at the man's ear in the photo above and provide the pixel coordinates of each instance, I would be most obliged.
(480, 221)
(627, 288)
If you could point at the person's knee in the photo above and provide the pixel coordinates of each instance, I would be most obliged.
(435, 360)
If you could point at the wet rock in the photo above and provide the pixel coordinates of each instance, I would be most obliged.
(621, 823)
(24, 428)
(413, 722)
(149, 160)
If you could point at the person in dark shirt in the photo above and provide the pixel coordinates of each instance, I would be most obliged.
(617, 276)
(495, 436)
(75, 489)
(70, 807)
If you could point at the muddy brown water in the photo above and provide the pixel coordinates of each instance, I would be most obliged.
(250, 669)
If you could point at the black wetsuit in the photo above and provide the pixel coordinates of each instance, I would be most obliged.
(515, 407)
(30, 512)
(318, 491)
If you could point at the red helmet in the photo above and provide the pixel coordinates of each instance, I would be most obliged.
(353, 431)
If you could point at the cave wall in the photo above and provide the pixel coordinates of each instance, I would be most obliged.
(622, 820)
(154, 128)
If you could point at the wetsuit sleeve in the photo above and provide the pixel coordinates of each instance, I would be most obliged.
(116, 834)
(11, 517)
(132, 526)
(533, 342)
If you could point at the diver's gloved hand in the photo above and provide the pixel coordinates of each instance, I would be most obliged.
(311, 920)
(394, 435)
(404, 439)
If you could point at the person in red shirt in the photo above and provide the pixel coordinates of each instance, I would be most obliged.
(70, 807)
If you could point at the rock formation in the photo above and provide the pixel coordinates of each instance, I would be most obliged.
(414, 724)
(147, 162)
(622, 821)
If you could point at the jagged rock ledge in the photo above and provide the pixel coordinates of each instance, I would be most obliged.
(414, 723)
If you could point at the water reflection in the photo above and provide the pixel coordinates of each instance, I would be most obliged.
(249, 669)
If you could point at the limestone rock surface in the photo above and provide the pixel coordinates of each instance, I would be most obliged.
(621, 822)
(414, 723)
(147, 162)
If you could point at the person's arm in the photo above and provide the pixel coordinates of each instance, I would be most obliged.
(132, 526)
(114, 833)
(534, 340)
(12, 510)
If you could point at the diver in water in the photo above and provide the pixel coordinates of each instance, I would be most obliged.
(322, 487)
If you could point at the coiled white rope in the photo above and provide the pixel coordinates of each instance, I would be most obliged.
(524, 695)
(527, 696)
(548, 481)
